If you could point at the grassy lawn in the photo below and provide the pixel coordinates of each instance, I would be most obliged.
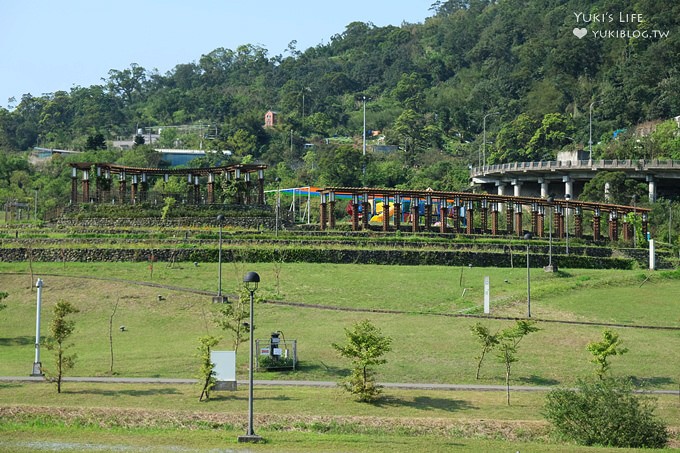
(289, 418)
(431, 343)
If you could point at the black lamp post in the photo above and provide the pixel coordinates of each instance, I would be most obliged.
(528, 237)
(549, 267)
(251, 281)
(220, 220)
(278, 203)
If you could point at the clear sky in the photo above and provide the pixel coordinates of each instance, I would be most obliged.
(52, 45)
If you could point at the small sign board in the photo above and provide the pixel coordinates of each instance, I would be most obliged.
(225, 369)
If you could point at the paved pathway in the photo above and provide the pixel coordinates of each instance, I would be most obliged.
(286, 383)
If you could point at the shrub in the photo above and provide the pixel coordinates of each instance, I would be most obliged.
(605, 412)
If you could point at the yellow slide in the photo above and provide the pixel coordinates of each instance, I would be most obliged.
(379, 209)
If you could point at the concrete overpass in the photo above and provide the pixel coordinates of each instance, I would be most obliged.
(561, 177)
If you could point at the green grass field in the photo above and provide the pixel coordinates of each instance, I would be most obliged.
(431, 343)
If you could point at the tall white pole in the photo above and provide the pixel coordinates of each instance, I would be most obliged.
(364, 135)
(590, 139)
(37, 366)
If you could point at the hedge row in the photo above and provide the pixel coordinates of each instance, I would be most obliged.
(316, 255)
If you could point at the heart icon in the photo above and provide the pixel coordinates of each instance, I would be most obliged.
(580, 32)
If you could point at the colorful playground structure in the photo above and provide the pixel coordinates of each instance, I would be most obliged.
(479, 213)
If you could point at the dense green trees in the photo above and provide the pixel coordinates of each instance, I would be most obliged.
(428, 88)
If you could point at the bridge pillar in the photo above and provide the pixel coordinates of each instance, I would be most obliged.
(652, 188)
(568, 186)
(517, 188)
(500, 191)
(544, 187)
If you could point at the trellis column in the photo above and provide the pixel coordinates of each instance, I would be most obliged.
(578, 222)
(143, 187)
(197, 191)
(211, 188)
(484, 214)
(331, 210)
(534, 219)
(645, 224)
(415, 214)
(74, 185)
(98, 184)
(260, 186)
(428, 212)
(597, 214)
(397, 212)
(541, 221)
(558, 218)
(518, 219)
(443, 215)
(456, 214)
(86, 186)
(122, 187)
(469, 218)
(249, 188)
(133, 189)
(386, 213)
(323, 215)
(366, 206)
(508, 218)
(613, 226)
(494, 218)
(355, 212)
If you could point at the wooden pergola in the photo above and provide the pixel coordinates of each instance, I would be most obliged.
(477, 213)
(134, 182)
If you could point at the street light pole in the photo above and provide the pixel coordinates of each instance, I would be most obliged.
(278, 203)
(590, 139)
(220, 219)
(251, 281)
(566, 215)
(484, 139)
(528, 237)
(37, 366)
(363, 146)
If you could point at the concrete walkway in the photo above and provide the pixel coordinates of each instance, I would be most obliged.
(285, 383)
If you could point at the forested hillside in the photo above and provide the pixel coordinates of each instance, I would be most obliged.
(515, 69)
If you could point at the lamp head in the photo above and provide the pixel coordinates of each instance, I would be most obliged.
(528, 236)
(220, 218)
(251, 280)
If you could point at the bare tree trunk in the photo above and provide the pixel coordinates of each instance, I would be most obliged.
(115, 307)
